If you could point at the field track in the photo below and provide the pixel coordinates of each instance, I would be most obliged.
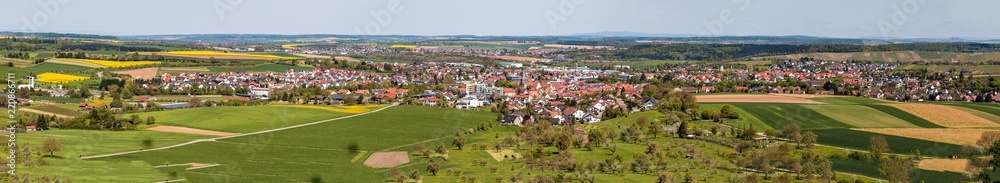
(238, 135)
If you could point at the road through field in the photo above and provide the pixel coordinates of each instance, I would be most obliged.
(237, 135)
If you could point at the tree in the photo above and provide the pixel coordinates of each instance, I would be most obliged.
(895, 168)
(809, 139)
(825, 169)
(682, 130)
(792, 132)
(51, 145)
(134, 119)
(150, 120)
(10, 64)
(727, 111)
(415, 175)
(995, 152)
(459, 142)
(195, 102)
(396, 175)
(433, 167)
(665, 178)
(877, 145)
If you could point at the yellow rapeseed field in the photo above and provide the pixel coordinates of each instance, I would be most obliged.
(357, 109)
(403, 46)
(49, 77)
(214, 53)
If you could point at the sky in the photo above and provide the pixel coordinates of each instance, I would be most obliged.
(829, 18)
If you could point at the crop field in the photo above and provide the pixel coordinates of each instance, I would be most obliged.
(913, 119)
(144, 73)
(956, 136)
(60, 109)
(858, 140)
(746, 119)
(260, 68)
(975, 69)
(779, 115)
(989, 108)
(899, 56)
(946, 116)
(862, 167)
(49, 77)
(227, 55)
(100, 63)
(249, 119)
(54, 67)
(403, 46)
(860, 116)
(951, 165)
(302, 154)
(60, 99)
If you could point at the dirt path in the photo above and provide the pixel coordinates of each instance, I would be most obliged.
(238, 135)
(44, 113)
(185, 130)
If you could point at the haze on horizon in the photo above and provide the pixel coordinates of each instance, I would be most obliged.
(843, 18)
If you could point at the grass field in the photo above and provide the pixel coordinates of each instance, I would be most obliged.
(87, 142)
(317, 151)
(260, 68)
(49, 77)
(60, 99)
(54, 67)
(248, 119)
(779, 115)
(858, 140)
(746, 119)
(990, 108)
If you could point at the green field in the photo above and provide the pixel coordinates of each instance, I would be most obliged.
(54, 67)
(248, 119)
(779, 115)
(270, 67)
(302, 154)
(746, 119)
(87, 142)
(859, 116)
(990, 108)
(858, 140)
(870, 169)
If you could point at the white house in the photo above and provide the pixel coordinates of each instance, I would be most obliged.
(262, 93)
(469, 101)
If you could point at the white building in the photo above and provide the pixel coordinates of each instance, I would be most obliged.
(261, 93)
(30, 85)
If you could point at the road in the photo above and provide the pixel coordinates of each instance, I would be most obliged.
(237, 135)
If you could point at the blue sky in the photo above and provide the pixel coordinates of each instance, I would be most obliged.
(832, 18)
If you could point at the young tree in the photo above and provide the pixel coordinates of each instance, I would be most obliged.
(51, 145)
(150, 120)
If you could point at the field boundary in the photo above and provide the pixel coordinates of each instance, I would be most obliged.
(237, 135)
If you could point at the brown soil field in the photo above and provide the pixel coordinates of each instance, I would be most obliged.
(521, 59)
(144, 73)
(754, 99)
(387, 159)
(957, 136)
(951, 165)
(176, 129)
(945, 115)
(806, 96)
